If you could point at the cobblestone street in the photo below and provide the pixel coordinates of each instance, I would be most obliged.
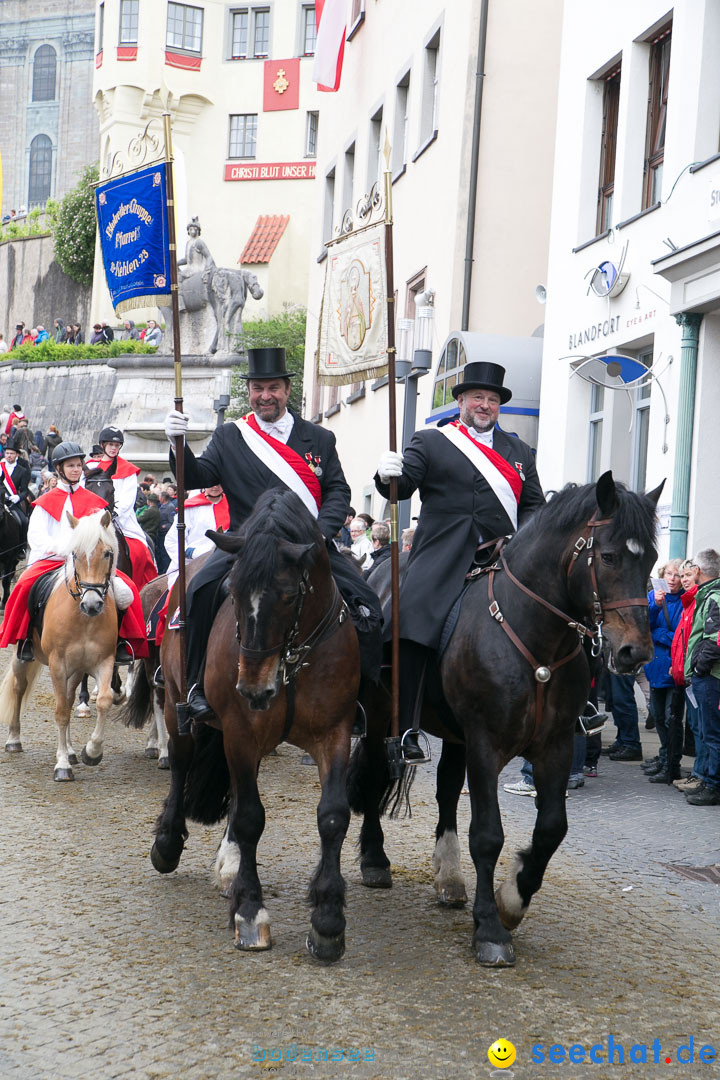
(109, 970)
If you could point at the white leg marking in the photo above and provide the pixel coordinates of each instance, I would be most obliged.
(449, 882)
(227, 864)
(510, 904)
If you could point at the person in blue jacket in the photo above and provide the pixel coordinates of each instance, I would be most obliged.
(667, 699)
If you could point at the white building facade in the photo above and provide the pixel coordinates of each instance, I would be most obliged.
(245, 124)
(470, 245)
(634, 269)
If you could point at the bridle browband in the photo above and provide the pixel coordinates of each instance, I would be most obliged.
(543, 672)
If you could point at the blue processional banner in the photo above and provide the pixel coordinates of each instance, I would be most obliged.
(132, 220)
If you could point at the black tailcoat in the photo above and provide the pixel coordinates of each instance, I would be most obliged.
(458, 507)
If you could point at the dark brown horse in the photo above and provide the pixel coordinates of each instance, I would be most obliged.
(514, 678)
(283, 664)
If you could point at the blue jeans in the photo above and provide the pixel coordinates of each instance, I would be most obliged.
(576, 769)
(707, 693)
(624, 710)
(693, 719)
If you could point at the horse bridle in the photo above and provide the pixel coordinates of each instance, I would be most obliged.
(543, 672)
(82, 587)
(293, 653)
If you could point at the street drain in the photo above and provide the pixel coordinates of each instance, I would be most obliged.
(697, 873)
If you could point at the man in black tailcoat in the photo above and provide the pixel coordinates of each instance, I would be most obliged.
(271, 448)
(476, 483)
(15, 481)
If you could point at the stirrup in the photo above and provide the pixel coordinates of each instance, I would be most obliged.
(590, 725)
(25, 652)
(158, 678)
(129, 659)
(359, 728)
(425, 750)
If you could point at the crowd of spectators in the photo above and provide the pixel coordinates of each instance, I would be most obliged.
(155, 509)
(71, 333)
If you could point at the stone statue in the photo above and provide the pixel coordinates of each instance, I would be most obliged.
(211, 301)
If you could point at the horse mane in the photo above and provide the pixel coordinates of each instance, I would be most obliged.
(87, 534)
(277, 515)
(634, 517)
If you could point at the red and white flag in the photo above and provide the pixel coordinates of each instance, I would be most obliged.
(330, 16)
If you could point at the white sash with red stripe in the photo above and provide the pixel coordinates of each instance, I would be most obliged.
(270, 458)
(482, 462)
(7, 479)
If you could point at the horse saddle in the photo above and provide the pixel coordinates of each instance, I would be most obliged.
(152, 619)
(40, 592)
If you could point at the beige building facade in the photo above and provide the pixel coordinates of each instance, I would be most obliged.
(470, 245)
(237, 78)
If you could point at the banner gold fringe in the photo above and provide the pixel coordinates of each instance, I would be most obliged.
(350, 377)
(156, 300)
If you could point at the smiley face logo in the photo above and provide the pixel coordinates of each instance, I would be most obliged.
(501, 1054)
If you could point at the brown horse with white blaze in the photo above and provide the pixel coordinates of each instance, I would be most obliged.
(283, 664)
(79, 634)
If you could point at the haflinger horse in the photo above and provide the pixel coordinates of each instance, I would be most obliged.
(283, 664)
(79, 634)
(514, 679)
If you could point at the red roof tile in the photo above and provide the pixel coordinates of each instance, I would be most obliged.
(264, 238)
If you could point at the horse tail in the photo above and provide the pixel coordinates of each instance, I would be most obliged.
(136, 711)
(369, 783)
(207, 787)
(7, 687)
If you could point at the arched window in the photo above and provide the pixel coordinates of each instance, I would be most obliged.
(452, 362)
(40, 171)
(44, 74)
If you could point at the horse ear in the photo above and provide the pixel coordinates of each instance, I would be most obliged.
(105, 519)
(229, 542)
(606, 494)
(73, 520)
(655, 494)
(296, 554)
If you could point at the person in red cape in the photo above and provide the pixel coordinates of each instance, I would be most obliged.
(476, 483)
(48, 537)
(125, 483)
(271, 447)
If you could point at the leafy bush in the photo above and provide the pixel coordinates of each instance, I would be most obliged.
(287, 331)
(74, 227)
(51, 351)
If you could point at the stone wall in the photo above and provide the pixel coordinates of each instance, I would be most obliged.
(34, 290)
(130, 392)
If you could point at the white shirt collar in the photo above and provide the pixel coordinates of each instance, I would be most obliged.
(485, 437)
(277, 429)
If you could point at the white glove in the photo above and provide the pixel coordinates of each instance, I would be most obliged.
(176, 423)
(390, 465)
(14, 498)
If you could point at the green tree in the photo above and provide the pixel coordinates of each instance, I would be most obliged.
(73, 226)
(287, 331)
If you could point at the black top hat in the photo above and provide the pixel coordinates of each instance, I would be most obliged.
(267, 364)
(483, 375)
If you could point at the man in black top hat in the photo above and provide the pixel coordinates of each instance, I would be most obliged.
(476, 483)
(270, 447)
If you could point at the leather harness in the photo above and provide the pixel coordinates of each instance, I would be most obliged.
(543, 672)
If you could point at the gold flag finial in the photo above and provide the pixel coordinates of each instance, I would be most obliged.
(386, 151)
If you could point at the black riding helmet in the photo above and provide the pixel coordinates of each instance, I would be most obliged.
(65, 450)
(111, 434)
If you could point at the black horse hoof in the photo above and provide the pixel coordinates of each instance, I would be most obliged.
(252, 935)
(151, 752)
(164, 763)
(326, 949)
(13, 747)
(376, 877)
(161, 864)
(492, 954)
(87, 760)
(73, 759)
(63, 775)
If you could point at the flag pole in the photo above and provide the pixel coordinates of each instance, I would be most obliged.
(179, 439)
(393, 744)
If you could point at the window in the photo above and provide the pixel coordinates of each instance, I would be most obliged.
(311, 134)
(357, 17)
(329, 206)
(44, 74)
(309, 30)
(40, 180)
(184, 27)
(261, 37)
(606, 189)
(657, 117)
(348, 180)
(452, 361)
(431, 71)
(243, 136)
(374, 165)
(400, 127)
(239, 35)
(101, 27)
(128, 22)
(597, 416)
(641, 429)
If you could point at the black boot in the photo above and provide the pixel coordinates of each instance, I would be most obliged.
(25, 652)
(124, 655)
(412, 751)
(664, 776)
(197, 706)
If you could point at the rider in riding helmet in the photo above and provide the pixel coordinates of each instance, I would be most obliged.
(49, 539)
(125, 482)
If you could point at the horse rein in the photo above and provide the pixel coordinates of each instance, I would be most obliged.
(543, 672)
(294, 653)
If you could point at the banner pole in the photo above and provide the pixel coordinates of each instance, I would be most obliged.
(179, 440)
(394, 538)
